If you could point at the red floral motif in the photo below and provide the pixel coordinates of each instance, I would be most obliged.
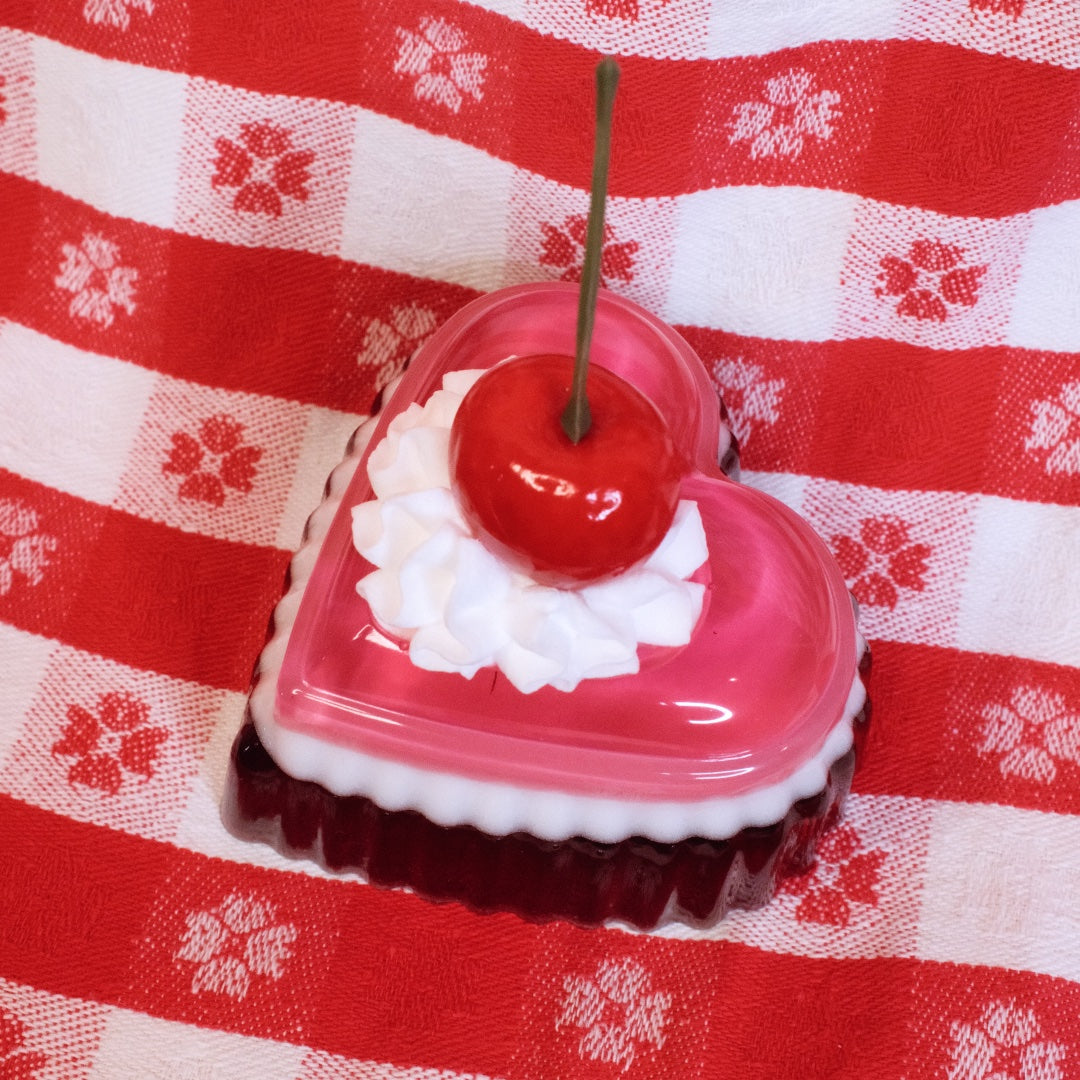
(564, 248)
(15, 1062)
(262, 167)
(630, 10)
(1015, 8)
(841, 875)
(931, 281)
(216, 460)
(115, 740)
(882, 559)
(3, 101)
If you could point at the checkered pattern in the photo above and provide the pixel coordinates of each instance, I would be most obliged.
(227, 225)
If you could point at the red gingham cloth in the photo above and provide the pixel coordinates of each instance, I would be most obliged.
(224, 225)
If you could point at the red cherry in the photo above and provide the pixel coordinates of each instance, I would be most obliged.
(566, 513)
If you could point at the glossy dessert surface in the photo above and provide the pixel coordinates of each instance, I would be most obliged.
(765, 683)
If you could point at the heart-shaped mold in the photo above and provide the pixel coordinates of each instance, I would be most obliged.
(724, 732)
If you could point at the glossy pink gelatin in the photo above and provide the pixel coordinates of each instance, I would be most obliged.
(765, 678)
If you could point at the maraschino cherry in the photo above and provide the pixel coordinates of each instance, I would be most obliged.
(569, 491)
(564, 512)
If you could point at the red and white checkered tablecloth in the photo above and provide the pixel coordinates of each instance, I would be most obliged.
(225, 224)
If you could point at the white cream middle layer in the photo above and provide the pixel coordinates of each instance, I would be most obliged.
(462, 608)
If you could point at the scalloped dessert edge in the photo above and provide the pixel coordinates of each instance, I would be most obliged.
(499, 809)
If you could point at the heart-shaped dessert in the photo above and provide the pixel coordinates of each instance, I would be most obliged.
(662, 743)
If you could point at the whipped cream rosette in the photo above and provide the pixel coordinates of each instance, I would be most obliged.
(462, 608)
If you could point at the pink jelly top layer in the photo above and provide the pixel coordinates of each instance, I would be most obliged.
(765, 680)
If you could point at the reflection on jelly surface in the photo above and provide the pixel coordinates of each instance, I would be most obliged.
(765, 678)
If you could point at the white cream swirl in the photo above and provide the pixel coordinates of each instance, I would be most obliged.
(461, 608)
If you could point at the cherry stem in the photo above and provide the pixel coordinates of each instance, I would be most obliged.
(576, 419)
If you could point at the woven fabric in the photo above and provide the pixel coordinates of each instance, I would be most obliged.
(226, 224)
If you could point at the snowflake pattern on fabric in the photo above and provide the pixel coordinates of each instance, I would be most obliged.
(437, 59)
(1055, 428)
(843, 878)
(563, 247)
(793, 110)
(1005, 1043)
(218, 459)
(882, 561)
(17, 1063)
(234, 942)
(752, 400)
(931, 282)
(1032, 735)
(98, 283)
(116, 13)
(388, 345)
(25, 552)
(263, 167)
(108, 745)
(617, 1011)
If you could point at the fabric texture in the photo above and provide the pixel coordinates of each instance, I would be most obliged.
(224, 226)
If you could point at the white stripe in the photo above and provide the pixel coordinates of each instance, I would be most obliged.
(69, 683)
(326, 438)
(109, 133)
(426, 205)
(26, 657)
(135, 1046)
(1000, 889)
(740, 29)
(1045, 31)
(761, 261)
(109, 442)
(1046, 311)
(780, 262)
(1001, 575)
(77, 442)
(333, 1067)
(1021, 591)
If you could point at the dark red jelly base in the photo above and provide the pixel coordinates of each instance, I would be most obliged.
(636, 881)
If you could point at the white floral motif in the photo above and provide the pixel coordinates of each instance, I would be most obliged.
(435, 58)
(779, 125)
(23, 550)
(388, 345)
(1032, 735)
(617, 1012)
(1055, 426)
(1007, 1040)
(114, 12)
(752, 399)
(98, 284)
(232, 942)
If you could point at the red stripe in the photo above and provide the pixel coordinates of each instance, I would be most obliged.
(145, 594)
(103, 916)
(290, 324)
(971, 727)
(916, 122)
(262, 320)
(900, 416)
